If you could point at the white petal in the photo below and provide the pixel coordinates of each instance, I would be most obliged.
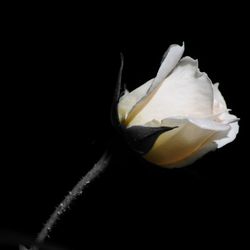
(210, 146)
(233, 131)
(129, 100)
(170, 59)
(191, 140)
(183, 145)
(219, 102)
(177, 145)
(209, 124)
(206, 148)
(185, 92)
(173, 121)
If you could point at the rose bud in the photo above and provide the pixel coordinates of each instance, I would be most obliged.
(176, 117)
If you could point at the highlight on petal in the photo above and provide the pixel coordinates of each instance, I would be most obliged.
(219, 102)
(185, 92)
(183, 145)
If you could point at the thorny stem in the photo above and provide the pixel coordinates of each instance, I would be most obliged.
(76, 191)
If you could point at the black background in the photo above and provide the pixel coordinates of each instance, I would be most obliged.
(59, 71)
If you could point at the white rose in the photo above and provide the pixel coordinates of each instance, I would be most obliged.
(178, 116)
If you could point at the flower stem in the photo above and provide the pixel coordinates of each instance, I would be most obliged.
(76, 191)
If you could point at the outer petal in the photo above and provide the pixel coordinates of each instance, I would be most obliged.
(185, 92)
(234, 129)
(170, 59)
(219, 104)
(204, 149)
(129, 100)
(183, 145)
(220, 108)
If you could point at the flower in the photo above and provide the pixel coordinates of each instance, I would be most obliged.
(176, 117)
